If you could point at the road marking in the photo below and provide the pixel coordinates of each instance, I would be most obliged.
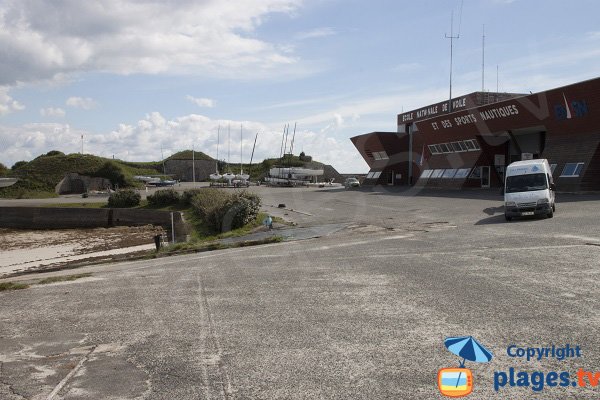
(215, 360)
(62, 383)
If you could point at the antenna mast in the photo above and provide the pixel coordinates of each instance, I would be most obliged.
(451, 37)
(483, 60)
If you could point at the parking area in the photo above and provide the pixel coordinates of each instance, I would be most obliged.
(360, 313)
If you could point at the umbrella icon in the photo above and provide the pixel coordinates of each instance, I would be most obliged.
(469, 349)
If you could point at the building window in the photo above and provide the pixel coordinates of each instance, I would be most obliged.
(456, 147)
(380, 155)
(553, 168)
(449, 173)
(472, 145)
(437, 173)
(463, 146)
(462, 173)
(426, 173)
(476, 173)
(445, 148)
(571, 170)
(370, 175)
(376, 175)
(433, 149)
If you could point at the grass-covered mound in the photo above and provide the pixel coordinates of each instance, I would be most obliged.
(39, 177)
(187, 155)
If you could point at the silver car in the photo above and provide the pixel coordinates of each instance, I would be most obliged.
(351, 182)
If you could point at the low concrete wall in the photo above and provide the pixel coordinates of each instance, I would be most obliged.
(68, 218)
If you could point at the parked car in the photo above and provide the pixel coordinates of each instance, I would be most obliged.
(351, 182)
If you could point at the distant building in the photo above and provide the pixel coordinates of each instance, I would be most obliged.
(468, 142)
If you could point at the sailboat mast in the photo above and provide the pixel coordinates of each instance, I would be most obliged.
(218, 141)
(228, 146)
(282, 138)
(193, 164)
(252, 155)
(293, 137)
(253, 147)
(241, 138)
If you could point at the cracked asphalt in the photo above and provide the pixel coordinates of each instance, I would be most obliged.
(358, 313)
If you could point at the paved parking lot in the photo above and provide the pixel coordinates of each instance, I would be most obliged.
(361, 313)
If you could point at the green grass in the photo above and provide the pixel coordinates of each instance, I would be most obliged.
(12, 286)
(65, 278)
(75, 205)
(39, 177)
(198, 247)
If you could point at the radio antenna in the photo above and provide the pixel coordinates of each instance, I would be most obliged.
(483, 60)
(451, 37)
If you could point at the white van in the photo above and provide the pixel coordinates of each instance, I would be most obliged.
(529, 189)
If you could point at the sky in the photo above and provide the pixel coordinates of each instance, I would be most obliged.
(143, 79)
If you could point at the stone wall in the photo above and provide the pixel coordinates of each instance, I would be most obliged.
(70, 218)
(182, 169)
(74, 183)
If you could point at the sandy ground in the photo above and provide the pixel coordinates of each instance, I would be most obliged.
(22, 250)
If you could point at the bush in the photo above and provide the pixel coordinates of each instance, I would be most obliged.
(241, 209)
(112, 172)
(124, 199)
(188, 196)
(222, 211)
(18, 165)
(163, 198)
(3, 170)
(53, 153)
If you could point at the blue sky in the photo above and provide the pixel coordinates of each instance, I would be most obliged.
(137, 76)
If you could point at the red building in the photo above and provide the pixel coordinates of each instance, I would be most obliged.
(468, 142)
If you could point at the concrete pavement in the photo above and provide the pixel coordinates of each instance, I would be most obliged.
(360, 313)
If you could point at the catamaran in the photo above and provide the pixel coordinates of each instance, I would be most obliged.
(217, 176)
(288, 175)
(242, 177)
(6, 182)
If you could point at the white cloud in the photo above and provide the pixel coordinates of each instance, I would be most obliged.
(85, 103)
(7, 103)
(201, 101)
(143, 141)
(52, 112)
(316, 33)
(42, 40)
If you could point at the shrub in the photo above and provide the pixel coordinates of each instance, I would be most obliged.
(241, 209)
(112, 172)
(188, 196)
(163, 198)
(124, 199)
(54, 153)
(207, 205)
(222, 211)
(18, 165)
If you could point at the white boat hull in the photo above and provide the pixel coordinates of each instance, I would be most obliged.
(5, 182)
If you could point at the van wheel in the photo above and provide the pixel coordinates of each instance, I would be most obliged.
(553, 207)
(550, 214)
(507, 218)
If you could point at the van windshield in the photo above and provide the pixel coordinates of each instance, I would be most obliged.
(526, 183)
